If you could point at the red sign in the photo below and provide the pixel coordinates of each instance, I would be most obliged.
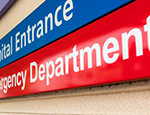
(112, 49)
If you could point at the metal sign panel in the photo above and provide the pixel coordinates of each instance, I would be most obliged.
(115, 48)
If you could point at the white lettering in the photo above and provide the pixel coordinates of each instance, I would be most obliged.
(138, 40)
(33, 68)
(41, 71)
(147, 29)
(107, 50)
(58, 23)
(48, 64)
(66, 10)
(17, 40)
(89, 54)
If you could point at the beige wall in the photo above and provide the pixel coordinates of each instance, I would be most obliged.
(119, 99)
(20, 10)
(122, 99)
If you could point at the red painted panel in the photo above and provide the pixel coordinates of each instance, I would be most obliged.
(66, 64)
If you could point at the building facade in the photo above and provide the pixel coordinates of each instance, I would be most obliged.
(117, 98)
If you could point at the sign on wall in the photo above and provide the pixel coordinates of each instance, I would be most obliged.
(51, 21)
(114, 48)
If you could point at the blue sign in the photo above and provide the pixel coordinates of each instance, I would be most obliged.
(49, 22)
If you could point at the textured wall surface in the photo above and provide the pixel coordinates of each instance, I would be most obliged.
(118, 99)
(121, 99)
(19, 10)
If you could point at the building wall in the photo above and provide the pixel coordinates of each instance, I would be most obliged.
(131, 98)
(122, 99)
(19, 10)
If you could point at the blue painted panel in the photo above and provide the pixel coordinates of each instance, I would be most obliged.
(35, 31)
